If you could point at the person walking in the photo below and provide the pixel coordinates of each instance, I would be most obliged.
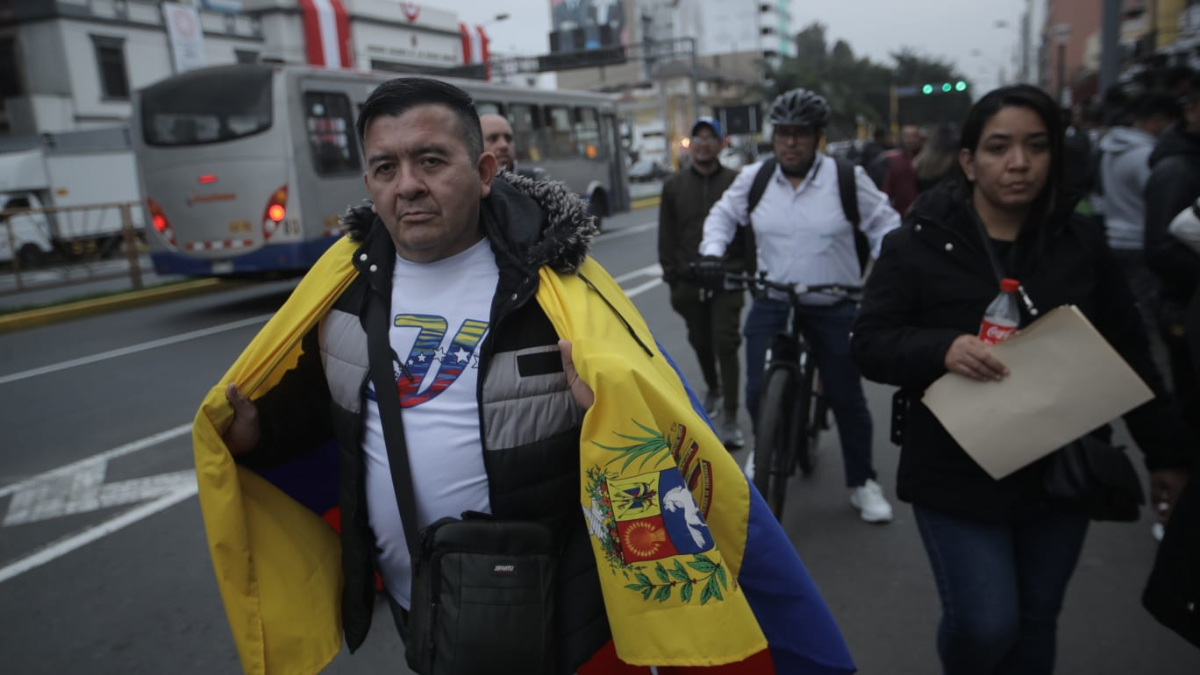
(804, 235)
(713, 318)
(1001, 554)
(459, 360)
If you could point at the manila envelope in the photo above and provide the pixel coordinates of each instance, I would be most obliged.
(1064, 381)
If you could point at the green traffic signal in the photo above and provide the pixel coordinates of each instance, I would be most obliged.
(961, 86)
(946, 87)
(927, 89)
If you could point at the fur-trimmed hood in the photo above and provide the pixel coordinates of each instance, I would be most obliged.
(538, 222)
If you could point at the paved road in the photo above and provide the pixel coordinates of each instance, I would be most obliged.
(103, 566)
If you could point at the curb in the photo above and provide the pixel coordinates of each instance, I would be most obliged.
(644, 202)
(73, 310)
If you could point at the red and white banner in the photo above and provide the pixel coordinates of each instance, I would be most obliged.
(327, 33)
(475, 46)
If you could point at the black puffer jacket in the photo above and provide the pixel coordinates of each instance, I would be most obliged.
(533, 469)
(1174, 184)
(931, 284)
(687, 197)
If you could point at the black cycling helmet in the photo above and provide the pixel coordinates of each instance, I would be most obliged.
(800, 107)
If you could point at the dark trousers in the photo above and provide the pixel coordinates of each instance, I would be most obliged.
(1002, 587)
(827, 331)
(712, 329)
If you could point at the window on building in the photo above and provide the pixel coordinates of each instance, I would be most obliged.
(488, 108)
(110, 58)
(330, 125)
(245, 56)
(10, 77)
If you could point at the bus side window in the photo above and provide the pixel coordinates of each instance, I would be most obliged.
(587, 134)
(559, 133)
(488, 108)
(330, 128)
(526, 124)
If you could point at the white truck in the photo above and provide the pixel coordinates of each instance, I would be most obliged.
(68, 173)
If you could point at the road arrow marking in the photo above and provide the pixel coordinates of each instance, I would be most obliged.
(85, 491)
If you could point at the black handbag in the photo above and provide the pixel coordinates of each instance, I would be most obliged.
(1095, 479)
(482, 596)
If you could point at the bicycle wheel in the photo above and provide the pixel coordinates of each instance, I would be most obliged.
(812, 412)
(776, 436)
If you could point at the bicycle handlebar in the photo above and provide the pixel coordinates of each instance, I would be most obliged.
(759, 283)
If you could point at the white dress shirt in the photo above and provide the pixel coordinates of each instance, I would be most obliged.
(802, 233)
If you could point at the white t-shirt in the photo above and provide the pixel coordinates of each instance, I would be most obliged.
(440, 314)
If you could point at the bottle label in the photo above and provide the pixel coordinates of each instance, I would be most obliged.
(991, 333)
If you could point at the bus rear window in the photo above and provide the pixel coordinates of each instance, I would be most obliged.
(207, 106)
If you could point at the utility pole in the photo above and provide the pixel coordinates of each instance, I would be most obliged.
(1110, 45)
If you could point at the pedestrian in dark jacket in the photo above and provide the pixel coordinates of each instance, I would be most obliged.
(713, 318)
(1000, 554)
(1173, 185)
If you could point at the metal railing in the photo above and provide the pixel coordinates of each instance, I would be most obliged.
(59, 246)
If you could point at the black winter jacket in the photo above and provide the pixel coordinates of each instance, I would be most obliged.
(931, 284)
(1173, 186)
(687, 197)
(533, 469)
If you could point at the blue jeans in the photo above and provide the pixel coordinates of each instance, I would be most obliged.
(1002, 587)
(827, 331)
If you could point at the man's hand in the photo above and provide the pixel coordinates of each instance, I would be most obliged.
(970, 357)
(709, 272)
(243, 433)
(1165, 487)
(583, 394)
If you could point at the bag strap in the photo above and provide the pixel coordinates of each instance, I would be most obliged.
(994, 259)
(382, 358)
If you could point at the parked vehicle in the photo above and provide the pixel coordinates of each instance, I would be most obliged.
(647, 170)
(68, 173)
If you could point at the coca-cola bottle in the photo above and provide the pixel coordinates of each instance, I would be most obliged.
(1002, 316)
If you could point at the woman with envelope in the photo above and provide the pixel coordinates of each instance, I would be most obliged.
(1001, 553)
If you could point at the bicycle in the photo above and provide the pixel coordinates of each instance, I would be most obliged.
(792, 409)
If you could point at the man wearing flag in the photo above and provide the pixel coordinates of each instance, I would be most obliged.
(498, 323)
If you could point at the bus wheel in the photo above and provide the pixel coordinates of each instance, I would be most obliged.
(31, 256)
(598, 208)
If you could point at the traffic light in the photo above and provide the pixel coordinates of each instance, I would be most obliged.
(944, 87)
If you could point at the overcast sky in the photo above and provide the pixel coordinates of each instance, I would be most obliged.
(951, 29)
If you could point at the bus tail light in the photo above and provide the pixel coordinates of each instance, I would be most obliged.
(275, 212)
(159, 219)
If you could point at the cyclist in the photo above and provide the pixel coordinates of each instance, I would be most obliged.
(804, 235)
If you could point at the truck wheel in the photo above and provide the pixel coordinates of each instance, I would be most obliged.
(31, 256)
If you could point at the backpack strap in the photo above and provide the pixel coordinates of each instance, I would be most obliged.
(759, 186)
(848, 190)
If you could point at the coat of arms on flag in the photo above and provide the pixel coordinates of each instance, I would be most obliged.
(652, 517)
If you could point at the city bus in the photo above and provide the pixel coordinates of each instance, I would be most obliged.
(246, 168)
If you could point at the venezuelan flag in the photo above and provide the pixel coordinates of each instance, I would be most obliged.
(695, 571)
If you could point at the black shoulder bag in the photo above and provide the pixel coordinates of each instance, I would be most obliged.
(1089, 475)
(482, 588)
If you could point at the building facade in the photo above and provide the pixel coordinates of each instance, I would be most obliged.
(67, 65)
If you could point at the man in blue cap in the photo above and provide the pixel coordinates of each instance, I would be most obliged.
(712, 318)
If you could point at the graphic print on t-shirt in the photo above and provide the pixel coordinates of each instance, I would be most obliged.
(427, 350)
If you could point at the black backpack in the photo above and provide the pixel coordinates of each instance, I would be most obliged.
(847, 190)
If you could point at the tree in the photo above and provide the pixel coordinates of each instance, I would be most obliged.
(858, 89)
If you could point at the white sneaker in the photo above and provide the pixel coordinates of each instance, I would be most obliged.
(871, 505)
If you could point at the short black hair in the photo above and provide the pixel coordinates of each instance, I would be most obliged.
(396, 97)
(1156, 104)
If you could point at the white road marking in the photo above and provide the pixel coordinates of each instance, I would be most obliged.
(626, 231)
(654, 270)
(65, 546)
(86, 491)
(134, 349)
(101, 458)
